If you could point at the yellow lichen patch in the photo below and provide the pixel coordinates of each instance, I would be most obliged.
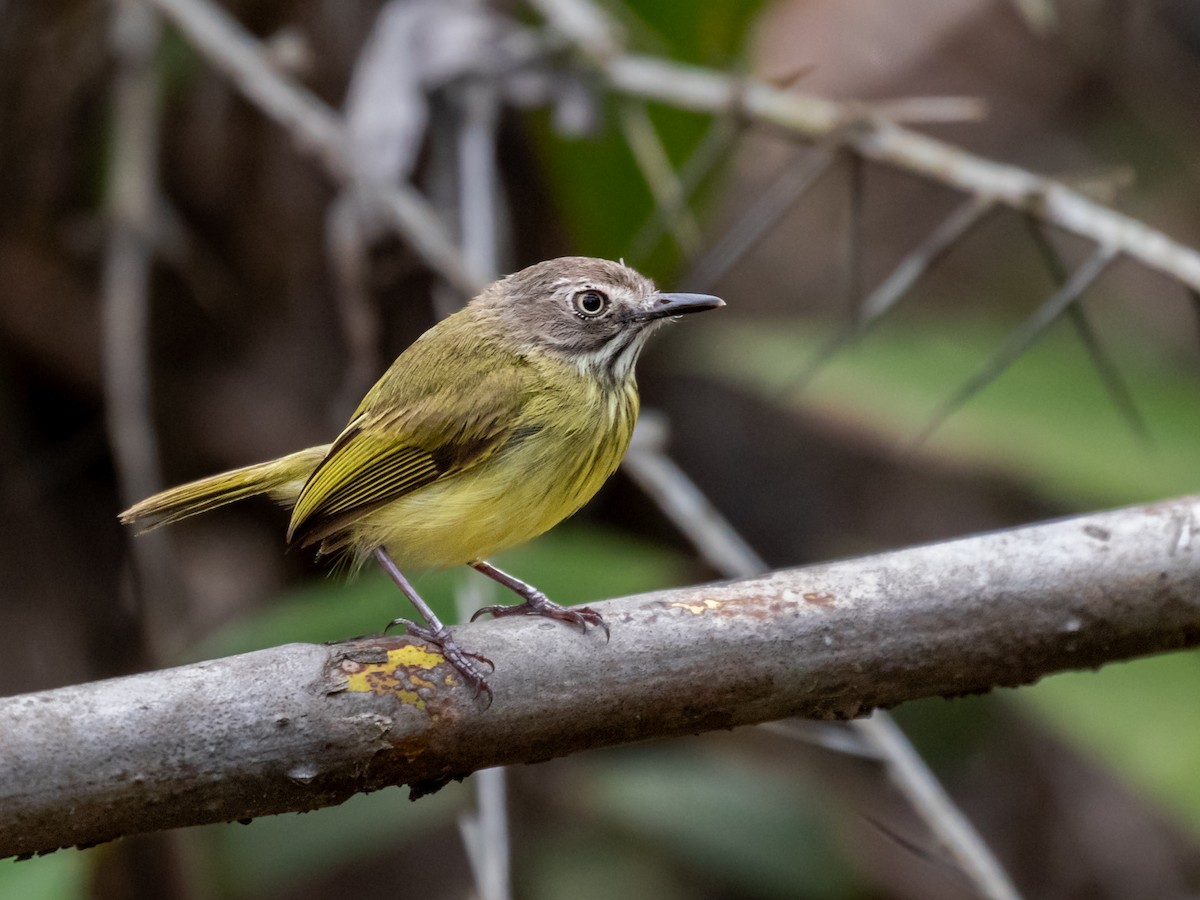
(399, 675)
(700, 608)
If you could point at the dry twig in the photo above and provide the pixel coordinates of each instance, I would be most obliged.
(1110, 375)
(666, 186)
(1022, 336)
(133, 205)
(318, 130)
(882, 141)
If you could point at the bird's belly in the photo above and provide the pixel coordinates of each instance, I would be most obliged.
(514, 496)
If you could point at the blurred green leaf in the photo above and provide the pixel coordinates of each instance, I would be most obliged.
(598, 189)
(1046, 423)
(575, 563)
(270, 856)
(1139, 718)
(761, 832)
(711, 34)
(62, 875)
(593, 865)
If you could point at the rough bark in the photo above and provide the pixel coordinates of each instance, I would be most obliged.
(303, 726)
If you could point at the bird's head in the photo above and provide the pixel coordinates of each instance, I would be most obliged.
(593, 312)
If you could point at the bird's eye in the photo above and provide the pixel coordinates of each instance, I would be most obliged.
(590, 303)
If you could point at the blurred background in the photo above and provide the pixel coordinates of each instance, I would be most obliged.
(273, 300)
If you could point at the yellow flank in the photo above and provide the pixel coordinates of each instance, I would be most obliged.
(470, 443)
(517, 493)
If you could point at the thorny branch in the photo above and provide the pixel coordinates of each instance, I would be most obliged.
(883, 141)
(303, 726)
(868, 132)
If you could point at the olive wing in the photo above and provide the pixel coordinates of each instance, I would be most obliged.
(390, 451)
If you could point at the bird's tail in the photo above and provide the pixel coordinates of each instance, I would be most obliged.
(280, 478)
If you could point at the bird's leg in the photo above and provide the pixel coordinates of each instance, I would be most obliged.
(434, 631)
(536, 603)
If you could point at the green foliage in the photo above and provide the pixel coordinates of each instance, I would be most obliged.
(1046, 423)
(59, 876)
(271, 856)
(711, 34)
(1139, 718)
(762, 833)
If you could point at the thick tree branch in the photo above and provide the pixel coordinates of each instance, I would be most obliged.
(303, 726)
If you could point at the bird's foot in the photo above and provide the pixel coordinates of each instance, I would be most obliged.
(538, 604)
(463, 661)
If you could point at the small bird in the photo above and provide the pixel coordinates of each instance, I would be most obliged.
(493, 426)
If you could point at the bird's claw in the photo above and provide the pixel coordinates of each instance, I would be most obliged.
(540, 605)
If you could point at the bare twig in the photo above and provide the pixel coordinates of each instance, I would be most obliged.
(318, 130)
(936, 244)
(924, 110)
(797, 177)
(302, 726)
(1110, 375)
(665, 184)
(684, 503)
(584, 24)
(479, 181)
(485, 831)
(855, 201)
(1021, 337)
(133, 203)
(347, 249)
(485, 835)
(951, 828)
(712, 148)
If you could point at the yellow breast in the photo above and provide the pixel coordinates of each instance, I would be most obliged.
(571, 439)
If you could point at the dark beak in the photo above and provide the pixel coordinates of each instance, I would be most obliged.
(679, 304)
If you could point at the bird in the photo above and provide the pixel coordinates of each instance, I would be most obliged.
(494, 425)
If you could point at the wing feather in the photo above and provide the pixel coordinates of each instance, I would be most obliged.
(392, 449)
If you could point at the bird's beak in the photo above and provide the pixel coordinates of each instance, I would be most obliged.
(679, 304)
